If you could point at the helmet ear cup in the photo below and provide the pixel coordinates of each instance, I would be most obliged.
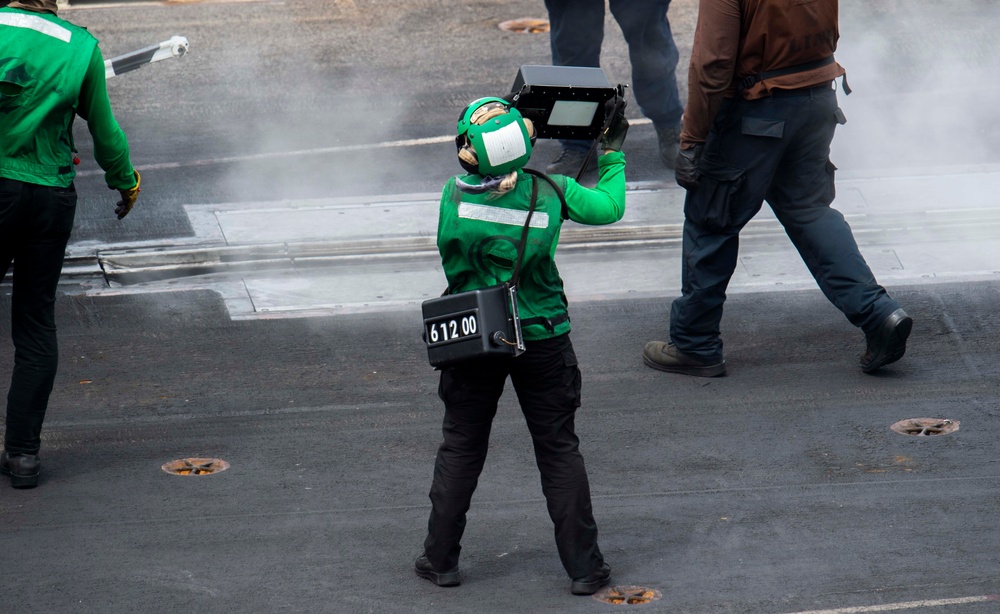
(467, 158)
(530, 126)
(467, 155)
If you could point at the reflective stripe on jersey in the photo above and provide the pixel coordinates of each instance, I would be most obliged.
(33, 22)
(502, 215)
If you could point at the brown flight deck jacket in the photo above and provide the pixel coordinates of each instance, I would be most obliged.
(739, 38)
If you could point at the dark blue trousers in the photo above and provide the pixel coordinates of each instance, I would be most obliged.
(547, 381)
(576, 35)
(35, 225)
(775, 149)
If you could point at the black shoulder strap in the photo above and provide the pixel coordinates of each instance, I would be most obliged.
(524, 234)
(555, 186)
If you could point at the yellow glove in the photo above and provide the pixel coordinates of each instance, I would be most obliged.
(128, 198)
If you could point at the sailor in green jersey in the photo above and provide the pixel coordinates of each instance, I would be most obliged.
(50, 71)
(482, 216)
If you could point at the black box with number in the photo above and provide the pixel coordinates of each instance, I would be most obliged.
(472, 325)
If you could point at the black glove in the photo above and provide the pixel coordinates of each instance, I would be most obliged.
(128, 198)
(614, 136)
(686, 167)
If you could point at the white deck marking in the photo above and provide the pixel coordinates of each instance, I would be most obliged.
(304, 152)
(905, 605)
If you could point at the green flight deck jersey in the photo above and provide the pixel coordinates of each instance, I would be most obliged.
(478, 236)
(51, 71)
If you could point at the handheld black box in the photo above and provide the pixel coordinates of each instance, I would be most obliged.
(564, 102)
(471, 325)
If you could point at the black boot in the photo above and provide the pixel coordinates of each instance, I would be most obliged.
(424, 569)
(591, 583)
(22, 468)
(888, 343)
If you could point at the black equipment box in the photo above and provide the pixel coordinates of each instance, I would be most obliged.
(472, 325)
(564, 102)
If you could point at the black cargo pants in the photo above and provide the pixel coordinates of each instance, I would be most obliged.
(35, 226)
(775, 149)
(546, 379)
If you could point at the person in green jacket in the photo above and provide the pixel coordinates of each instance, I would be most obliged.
(50, 71)
(482, 216)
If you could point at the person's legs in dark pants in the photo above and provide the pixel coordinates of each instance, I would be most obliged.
(801, 194)
(734, 176)
(576, 33)
(470, 396)
(653, 55)
(708, 261)
(781, 144)
(547, 381)
(34, 234)
(738, 170)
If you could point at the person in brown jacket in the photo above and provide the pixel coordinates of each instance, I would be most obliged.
(759, 120)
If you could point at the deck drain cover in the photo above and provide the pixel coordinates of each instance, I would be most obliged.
(925, 427)
(195, 466)
(627, 595)
(525, 25)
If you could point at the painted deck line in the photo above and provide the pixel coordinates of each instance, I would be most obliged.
(905, 605)
(304, 152)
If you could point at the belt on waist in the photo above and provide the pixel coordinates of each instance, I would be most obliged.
(549, 323)
(750, 80)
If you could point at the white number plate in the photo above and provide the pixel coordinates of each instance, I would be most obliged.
(452, 327)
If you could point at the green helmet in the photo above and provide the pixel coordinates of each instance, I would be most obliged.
(493, 139)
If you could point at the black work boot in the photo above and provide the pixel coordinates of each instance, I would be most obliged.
(591, 583)
(22, 468)
(664, 356)
(888, 343)
(424, 569)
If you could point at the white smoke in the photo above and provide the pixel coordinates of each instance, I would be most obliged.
(925, 85)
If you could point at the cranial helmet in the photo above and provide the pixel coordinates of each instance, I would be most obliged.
(493, 139)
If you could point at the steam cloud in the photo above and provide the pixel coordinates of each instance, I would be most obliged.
(924, 80)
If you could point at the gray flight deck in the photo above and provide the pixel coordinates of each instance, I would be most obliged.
(261, 306)
(379, 253)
